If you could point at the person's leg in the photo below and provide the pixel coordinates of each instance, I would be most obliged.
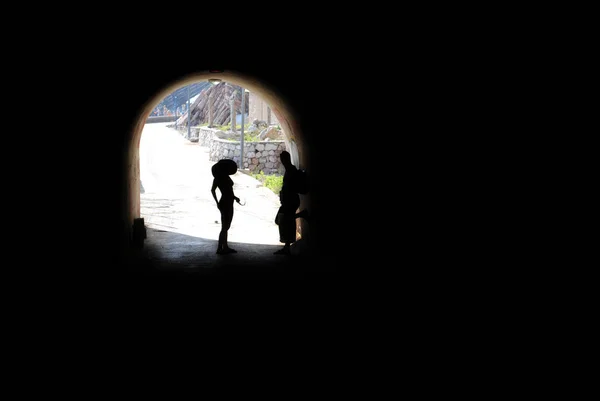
(287, 232)
(280, 225)
(283, 251)
(229, 219)
(222, 239)
(222, 233)
(226, 218)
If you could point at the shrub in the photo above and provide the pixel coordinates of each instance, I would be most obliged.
(273, 181)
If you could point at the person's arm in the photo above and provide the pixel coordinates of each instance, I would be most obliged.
(213, 190)
(232, 193)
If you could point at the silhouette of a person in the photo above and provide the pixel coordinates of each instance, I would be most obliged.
(290, 202)
(221, 171)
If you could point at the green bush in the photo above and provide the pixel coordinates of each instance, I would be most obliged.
(273, 181)
(251, 138)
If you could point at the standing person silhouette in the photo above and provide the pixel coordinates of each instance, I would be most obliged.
(290, 202)
(221, 171)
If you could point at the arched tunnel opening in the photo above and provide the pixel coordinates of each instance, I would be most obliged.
(180, 144)
(161, 252)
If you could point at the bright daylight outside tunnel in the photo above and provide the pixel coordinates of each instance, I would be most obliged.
(186, 133)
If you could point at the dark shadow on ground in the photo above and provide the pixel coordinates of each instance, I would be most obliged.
(173, 255)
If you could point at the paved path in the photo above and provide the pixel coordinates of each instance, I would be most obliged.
(176, 181)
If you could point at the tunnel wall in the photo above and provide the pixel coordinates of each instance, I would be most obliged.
(107, 182)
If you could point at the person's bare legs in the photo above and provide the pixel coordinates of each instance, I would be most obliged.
(223, 246)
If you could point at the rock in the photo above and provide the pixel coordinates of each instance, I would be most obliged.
(222, 92)
(271, 133)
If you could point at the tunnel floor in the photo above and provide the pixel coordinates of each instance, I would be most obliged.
(174, 255)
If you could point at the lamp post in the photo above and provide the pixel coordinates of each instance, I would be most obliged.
(242, 129)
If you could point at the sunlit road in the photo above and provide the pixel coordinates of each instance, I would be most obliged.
(176, 182)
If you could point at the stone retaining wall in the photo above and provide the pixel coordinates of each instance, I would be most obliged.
(258, 156)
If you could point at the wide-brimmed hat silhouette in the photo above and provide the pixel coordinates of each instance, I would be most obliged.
(224, 166)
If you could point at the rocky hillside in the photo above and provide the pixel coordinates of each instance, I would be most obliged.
(222, 94)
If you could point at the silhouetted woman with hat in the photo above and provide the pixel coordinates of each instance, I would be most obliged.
(221, 172)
